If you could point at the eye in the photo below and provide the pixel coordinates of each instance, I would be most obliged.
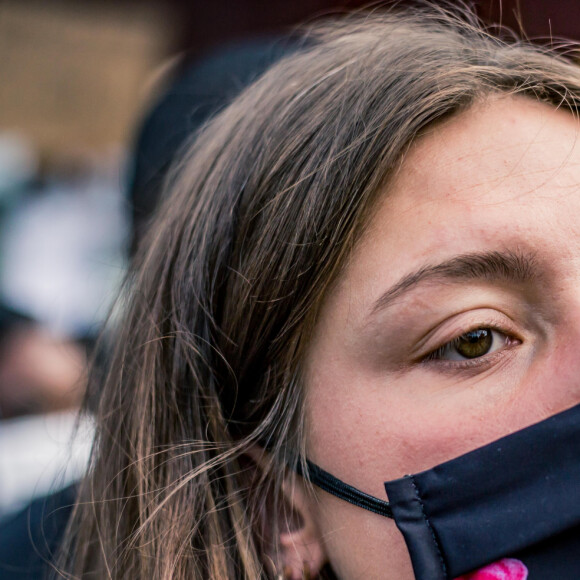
(471, 345)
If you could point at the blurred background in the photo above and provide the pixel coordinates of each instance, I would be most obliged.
(96, 98)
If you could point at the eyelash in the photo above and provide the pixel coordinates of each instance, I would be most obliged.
(436, 356)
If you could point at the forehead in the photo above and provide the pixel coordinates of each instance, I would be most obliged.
(504, 173)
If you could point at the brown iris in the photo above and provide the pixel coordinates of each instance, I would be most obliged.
(474, 343)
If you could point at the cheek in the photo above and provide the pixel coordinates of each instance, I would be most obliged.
(366, 436)
(342, 439)
(366, 431)
(360, 544)
(350, 434)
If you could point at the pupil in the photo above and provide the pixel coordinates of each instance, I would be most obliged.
(475, 343)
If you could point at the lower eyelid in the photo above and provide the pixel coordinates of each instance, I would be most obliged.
(475, 365)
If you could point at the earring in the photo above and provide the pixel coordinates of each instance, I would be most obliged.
(286, 574)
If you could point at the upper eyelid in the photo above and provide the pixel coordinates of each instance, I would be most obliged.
(490, 318)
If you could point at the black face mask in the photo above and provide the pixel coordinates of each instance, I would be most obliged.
(511, 507)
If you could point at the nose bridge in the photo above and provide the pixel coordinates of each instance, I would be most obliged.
(556, 378)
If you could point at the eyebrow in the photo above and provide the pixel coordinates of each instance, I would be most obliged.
(508, 266)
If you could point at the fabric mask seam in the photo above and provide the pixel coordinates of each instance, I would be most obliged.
(442, 562)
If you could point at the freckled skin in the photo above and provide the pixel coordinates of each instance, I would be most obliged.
(502, 175)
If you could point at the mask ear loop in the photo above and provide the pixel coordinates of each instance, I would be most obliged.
(327, 482)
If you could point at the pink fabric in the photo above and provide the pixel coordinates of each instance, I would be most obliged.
(506, 569)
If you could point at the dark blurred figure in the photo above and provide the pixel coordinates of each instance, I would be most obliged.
(199, 91)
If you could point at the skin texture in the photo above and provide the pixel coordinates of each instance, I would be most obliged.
(503, 177)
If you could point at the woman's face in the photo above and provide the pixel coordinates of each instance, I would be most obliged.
(480, 231)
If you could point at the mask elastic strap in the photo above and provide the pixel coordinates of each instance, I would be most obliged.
(333, 485)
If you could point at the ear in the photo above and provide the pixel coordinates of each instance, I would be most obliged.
(301, 545)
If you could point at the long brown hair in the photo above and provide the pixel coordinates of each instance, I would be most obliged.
(259, 218)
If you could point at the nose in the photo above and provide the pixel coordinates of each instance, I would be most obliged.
(553, 382)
